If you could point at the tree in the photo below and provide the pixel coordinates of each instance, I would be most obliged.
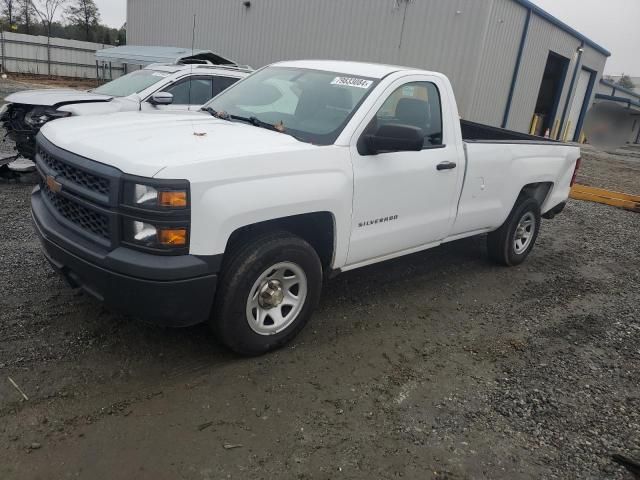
(85, 15)
(26, 13)
(9, 10)
(122, 36)
(47, 11)
(626, 82)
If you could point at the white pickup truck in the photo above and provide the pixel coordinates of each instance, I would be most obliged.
(304, 169)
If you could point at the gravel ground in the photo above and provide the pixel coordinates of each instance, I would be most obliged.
(617, 170)
(438, 365)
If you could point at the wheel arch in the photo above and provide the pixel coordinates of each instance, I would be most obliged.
(539, 191)
(316, 228)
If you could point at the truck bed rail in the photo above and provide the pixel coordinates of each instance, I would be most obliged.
(478, 132)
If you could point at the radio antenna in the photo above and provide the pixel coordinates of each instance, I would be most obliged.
(193, 51)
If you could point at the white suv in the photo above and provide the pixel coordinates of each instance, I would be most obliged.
(156, 87)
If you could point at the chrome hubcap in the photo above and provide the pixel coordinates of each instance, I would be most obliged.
(276, 298)
(524, 233)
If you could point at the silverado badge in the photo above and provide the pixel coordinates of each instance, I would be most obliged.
(54, 186)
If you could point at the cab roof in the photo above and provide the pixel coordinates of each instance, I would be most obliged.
(171, 68)
(370, 70)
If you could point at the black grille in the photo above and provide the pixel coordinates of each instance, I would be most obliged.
(85, 218)
(72, 174)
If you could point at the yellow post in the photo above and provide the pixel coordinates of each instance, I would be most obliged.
(583, 138)
(566, 131)
(534, 124)
(556, 127)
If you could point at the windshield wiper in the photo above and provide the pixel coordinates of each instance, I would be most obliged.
(255, 121)
(250, 120)
(216, 114)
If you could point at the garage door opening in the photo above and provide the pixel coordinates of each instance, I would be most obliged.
(555, 74)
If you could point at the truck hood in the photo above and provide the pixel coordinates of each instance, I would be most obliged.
(53, 97)
(140, 143)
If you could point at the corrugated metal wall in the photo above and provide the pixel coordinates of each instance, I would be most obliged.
(542, 38)
(616, 92)
(605, 89)
(474, 42)
(69, 58)
(496, 62)
(631, 112)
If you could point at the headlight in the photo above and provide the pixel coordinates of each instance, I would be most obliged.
(4, 109)
(145, 195)
(156, 215)
(40, 115)
(161, 196)
(155, 236)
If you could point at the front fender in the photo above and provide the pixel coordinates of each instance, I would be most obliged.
(221, 207)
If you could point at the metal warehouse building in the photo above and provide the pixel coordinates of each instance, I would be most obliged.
(511, 63)
(619, 108)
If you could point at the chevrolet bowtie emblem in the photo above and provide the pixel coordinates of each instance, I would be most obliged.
(54, 186)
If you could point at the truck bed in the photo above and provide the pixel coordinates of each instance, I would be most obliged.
(478, 132)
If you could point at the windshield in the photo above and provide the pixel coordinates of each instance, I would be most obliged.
(312, 105)
(133, 82)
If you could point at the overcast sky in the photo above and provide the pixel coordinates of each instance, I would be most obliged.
(610, 23)
(113, 12)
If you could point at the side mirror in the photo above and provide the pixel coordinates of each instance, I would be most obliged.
(161, 98)
(395, 138)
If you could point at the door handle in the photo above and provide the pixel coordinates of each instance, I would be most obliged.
(446, 166)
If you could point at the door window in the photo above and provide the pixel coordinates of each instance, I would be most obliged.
(416, 104)
(222, 83)
(192, 91)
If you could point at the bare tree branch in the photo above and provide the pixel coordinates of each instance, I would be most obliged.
(85, 15)
(26, 12)
(9, 10)
(47, 10)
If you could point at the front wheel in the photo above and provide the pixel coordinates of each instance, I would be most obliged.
(267, 293)
(512, 243)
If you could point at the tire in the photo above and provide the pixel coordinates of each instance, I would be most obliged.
(503, 245)
(266, 268)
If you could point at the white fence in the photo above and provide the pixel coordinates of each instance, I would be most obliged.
(33, 54)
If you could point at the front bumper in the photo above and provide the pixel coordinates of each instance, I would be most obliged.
(174, 291)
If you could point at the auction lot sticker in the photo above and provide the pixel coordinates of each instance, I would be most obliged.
(352, 82)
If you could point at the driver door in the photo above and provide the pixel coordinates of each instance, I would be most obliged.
(404, 200)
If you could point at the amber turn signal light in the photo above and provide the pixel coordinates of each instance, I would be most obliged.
(176, 237)
(174, 199)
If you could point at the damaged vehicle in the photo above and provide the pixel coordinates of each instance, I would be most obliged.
(156, 87)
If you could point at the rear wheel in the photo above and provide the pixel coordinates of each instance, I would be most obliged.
(512, 243)
(267, 293)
